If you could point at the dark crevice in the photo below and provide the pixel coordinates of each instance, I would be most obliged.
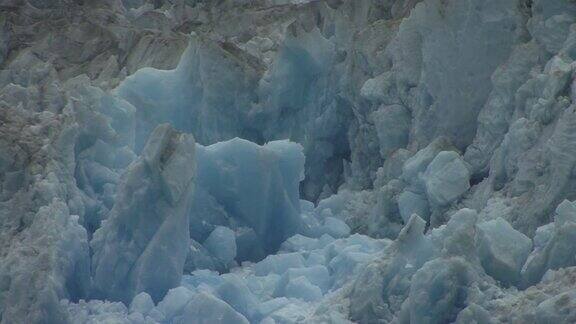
(477, 178)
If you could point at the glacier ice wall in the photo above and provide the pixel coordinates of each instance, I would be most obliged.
(431, 143)
(317, 81)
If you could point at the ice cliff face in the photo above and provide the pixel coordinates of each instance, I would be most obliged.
(275, 161)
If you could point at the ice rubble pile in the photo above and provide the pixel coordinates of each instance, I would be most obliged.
(454, 273)
(322, 273)
(167, 214)
(140, 249)
(284, 287)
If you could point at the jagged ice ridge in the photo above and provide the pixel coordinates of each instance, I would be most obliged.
(271, 161)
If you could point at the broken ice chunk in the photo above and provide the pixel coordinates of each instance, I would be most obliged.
(558, 251)
(174, 302)
(502, 250)
(565, 212)
(558, 309)
(236, 293)
(412, 203)
(335, 227)
(316, 275)
(143, 244)
(222, 244)
(543, 235)
(279, 263)
(204, 308)
(268, 307)
(301, 288)
(198, 258)
(446, 178)
(418, 163)
(256, 186)
(248, 245)
(392, 125)
(142, 304)
(437, 290)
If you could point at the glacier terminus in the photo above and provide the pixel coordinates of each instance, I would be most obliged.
(287, 161)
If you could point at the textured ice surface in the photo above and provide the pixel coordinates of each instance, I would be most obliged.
(446, 178)
(438, 184)
(205, 308)
(142, 246)
(283, 287)
(412, 203)
(221, 243)
(502, 250)
(246, 202)
(556, 249)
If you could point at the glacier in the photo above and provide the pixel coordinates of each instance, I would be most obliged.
(287, 161)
